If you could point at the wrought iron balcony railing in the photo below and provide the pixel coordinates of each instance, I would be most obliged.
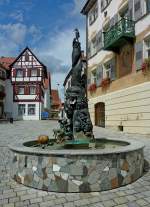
(115, 36)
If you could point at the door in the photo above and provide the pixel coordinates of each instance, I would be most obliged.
(100, 114)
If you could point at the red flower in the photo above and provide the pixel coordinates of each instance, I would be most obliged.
(92, 87)
(105, 82)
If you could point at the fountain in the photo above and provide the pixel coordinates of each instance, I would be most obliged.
(76, 161)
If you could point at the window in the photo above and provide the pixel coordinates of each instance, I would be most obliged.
(147, 48)
(21, 109)
(93, 15)
(93, 77)
(31, 109)
(19, 73)
(20, 90)
(108, 70)
(147, 2)
(34, 72)
(104, 4)
(32, 90)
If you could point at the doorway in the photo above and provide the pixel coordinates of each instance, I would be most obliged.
(100, 114)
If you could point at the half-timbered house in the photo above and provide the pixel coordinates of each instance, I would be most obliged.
(28, 75)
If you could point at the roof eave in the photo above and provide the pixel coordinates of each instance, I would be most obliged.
(87, 6)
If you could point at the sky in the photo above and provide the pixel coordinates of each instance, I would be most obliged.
(47, 28)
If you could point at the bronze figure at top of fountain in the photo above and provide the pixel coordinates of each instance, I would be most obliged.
(78, 125)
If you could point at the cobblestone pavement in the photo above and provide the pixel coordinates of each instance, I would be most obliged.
(12, 194)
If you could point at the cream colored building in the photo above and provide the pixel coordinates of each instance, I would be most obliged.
(118, 43)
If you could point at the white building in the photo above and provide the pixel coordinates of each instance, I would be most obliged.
(118, 41)
(28, 75)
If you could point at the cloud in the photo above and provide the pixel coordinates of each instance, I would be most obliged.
(56, 51)
(17, 15)
(78, 5)
(14, 36)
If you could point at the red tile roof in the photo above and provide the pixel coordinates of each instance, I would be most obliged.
(55, 98)
(7, 61)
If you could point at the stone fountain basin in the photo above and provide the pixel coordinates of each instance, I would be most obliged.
(85, 170)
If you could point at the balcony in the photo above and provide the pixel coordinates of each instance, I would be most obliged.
(119, 34)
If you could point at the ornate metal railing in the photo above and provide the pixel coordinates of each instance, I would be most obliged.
(123, 28)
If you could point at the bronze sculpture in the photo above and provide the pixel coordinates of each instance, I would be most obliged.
(76, 104)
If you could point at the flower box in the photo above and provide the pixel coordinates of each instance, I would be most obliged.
(92, 87)
(105, 82)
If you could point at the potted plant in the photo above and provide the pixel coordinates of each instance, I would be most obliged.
(105, 82)
(146, 65)
(92, 87)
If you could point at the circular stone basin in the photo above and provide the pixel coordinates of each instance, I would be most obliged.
(106, 165)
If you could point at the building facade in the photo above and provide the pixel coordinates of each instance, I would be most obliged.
(28, 76)
(118, 53)
(2, 90)
(56, 103)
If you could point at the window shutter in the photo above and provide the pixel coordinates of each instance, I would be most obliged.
(148, 6)
(16, 90)
(38, 72)
(113, 69)
(14, 72)
(115, 18)
(130, 9)
(37, 89)
(29, 72)
(138, 9)
(89, 49)
(26, 90)
(99, 75)
(99, 42)
(24, 72)
(138, 55)
(89, 80)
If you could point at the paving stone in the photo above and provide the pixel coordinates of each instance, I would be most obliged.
(136, 194)
(121, 200)
(141, 202)
(109, 203)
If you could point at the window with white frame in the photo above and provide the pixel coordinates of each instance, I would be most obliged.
(93, 14)
(32, 90)
(34, 72)
(93, 76)
(31, 109)
(21, 90)
(147, 48)
(107, 67)
(21, 109)
(146, 6)
(19, 73)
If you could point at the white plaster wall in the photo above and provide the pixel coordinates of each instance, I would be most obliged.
(128, 107)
